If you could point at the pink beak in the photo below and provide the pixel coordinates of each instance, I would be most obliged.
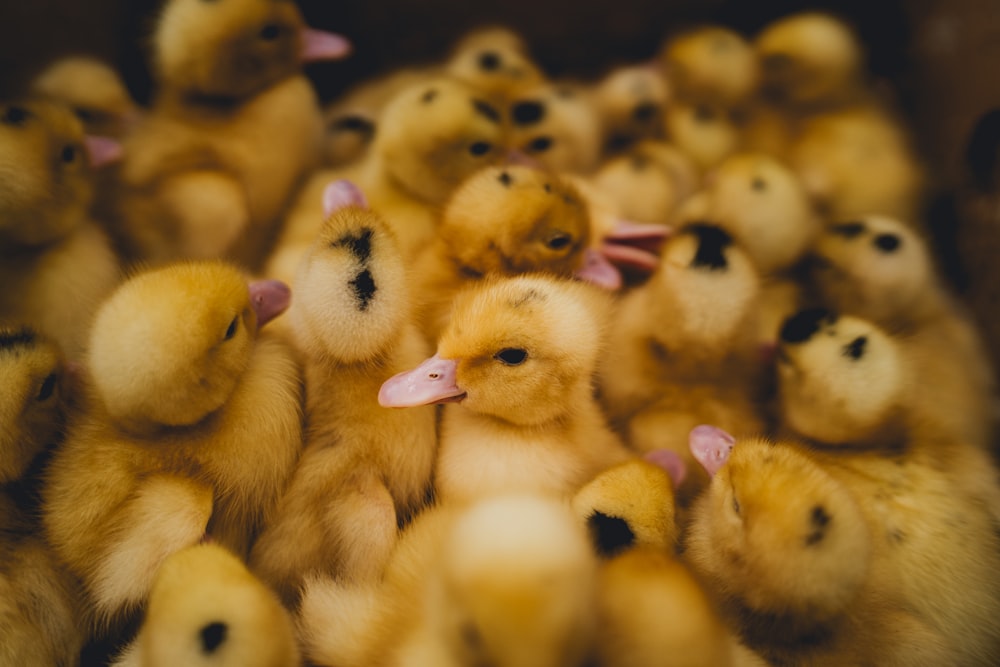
(597, 270)
(433, 381)
(269, 299)
(102, 150)
(340, 194)
(321, 45)
(710, 446)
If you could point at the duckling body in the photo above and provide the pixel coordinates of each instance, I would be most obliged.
(193, 184)
(518, 355)
(39, 600)
(192, 427)
(365, 469)
(57, 264)
(206, 608)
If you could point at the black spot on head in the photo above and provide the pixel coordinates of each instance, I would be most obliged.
(645, 112)
(527, 112)
(16, 338)
(610, 534)
(429, 95)
(801, 326)
(486, 110)
(212, 636)
(505, 178)
(847, 229)
(982, 153)
(364, 288)
(489, 61)
(540, 145)
(818, 521)
(856, 348)
(712, 243)
(15, 115)
(887, 243)
(353, 123)
(359, 245)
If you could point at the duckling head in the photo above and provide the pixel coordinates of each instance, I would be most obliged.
(649, 181)
(435, 134)
(774, 531)
(809, 58)
(494, 59)
(235, 48)
(32, 401)
(519, 584)
(875, 267)
(841, 380)
(520, 349)
(711, 64)
(557, 126)
(515, 219)
(45, 179)
(706, 133)
(206, 608)
(93, 90)
(351, 289)
(630, 101)
(169, 345)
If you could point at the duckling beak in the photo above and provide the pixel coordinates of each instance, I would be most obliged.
(269, 299)
(710, 446)
(102, 151)
(340, 194)
(322, 45)
(433, 381)
(597, 270)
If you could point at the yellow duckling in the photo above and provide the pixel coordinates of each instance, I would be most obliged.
(234, 127)
(206, 608)
(39, 600)
(365, 469)
(833, 558)
(55, 262)
(434, 135)
(93, 89)
(710, 64)
(557, 126)
(516, 361)
(507, 581)
(192, 428)
(496, 60)
(630, 101)
(706, 133)
(683, 351)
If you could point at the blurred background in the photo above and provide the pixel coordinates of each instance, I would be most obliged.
(941, 57)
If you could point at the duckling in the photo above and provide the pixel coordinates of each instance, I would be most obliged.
(557, 125)
(365, 469)
(516, 360)
(496, 60)
(93, 89)
(39, 600)
(192, 426)
(683, 349)
(766, 208)
(230, 90)
(57, 263)
(710, 64)
(206, 608)
(851, 557)
(434, 135)
(706, 133)
(509, 581)
(630, 101)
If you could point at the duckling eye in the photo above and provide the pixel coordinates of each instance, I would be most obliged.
(511, 356)
(47, 388)
(489, 61)
(480, 148)
(14, 115)
(736, 505)
(887, 243)
(231, 331)
(270, 32)
(540, 145)
(68, 154)
(559, 241)
(856, 348)
(645, 112)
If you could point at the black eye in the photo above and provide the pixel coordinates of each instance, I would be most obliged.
(645, 112)
(559, 241)
(48, 386)
(704, 114)
(489, 61)
(511, 356)
(887, 243)
(856, 348)
(270, 32)
(14, 115)
(68, 154)
(540, 145)
(480, 148)
(231, 331)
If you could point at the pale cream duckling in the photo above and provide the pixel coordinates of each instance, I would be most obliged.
(683, 349)
(234, 127)
(193, 424)
(630, 101)
(365, 469)
(39, 600)
(206, 608)
(434, 135)
(507, 581)
(878, 550)
(93, 89)
(764, 205)
(56, 263)
(517, 361)
(710, 64)
(707, 134)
